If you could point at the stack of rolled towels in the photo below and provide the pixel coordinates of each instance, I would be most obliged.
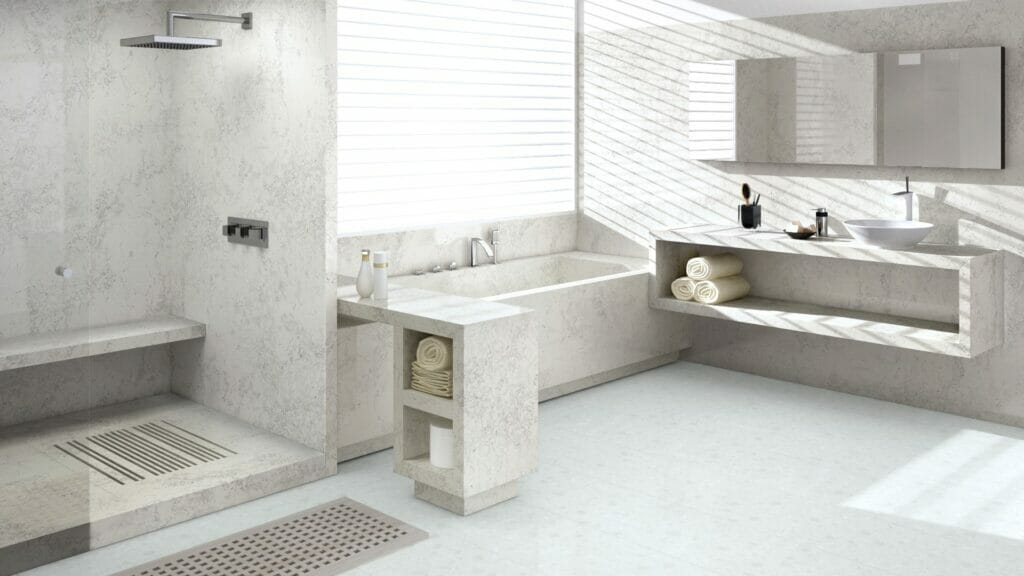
(432, 368)
(712, 280)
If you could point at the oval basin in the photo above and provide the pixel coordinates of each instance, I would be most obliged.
(892, 234)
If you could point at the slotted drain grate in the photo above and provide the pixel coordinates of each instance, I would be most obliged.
(152, 449)
(322, 541)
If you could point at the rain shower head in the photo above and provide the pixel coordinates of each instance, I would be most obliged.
(172, 42)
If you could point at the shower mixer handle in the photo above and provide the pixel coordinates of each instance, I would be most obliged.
(244, 231)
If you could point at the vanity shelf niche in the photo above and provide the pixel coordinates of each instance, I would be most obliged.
(940, 299)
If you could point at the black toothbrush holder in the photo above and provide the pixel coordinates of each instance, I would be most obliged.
(750, 216)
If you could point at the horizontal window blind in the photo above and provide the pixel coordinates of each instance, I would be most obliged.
(454, 111)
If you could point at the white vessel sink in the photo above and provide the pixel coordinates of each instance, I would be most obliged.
(892, 234)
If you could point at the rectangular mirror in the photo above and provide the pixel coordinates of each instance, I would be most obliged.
(931, 108)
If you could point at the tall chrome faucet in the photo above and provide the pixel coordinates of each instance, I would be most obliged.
(910, 200)
(491, 249)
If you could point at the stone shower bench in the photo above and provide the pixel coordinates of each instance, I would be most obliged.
(36, 349)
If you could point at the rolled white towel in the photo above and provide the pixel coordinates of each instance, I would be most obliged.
(434, 353)
(721, 290)
(712, 267)
(682, 288)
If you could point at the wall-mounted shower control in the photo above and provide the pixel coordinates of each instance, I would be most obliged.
(248, 232)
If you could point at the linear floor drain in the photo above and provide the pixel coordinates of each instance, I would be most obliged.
(134, 453)
(322, 541)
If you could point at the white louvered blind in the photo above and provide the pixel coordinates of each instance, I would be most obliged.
(454, 111)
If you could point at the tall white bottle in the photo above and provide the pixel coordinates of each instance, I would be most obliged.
(364, 282)
(380, 275)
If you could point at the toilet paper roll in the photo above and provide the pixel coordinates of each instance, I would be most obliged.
(442, 445)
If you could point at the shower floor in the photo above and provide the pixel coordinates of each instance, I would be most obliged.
(80, 481)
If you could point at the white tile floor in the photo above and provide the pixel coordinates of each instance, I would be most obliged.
(694, 470)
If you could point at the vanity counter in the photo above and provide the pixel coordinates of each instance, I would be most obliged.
(941, 299)
(423, 310)
(949, 257)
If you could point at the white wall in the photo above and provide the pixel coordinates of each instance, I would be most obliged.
(636, 178)
(423, 248)
(85, 181)
(254, 139)
(124, 163)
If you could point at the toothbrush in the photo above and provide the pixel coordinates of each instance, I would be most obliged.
(757, 200)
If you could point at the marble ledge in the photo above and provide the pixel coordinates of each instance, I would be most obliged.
(943, 256)
(424, 310)
(36, 349)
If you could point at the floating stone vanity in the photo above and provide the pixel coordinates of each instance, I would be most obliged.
(493, 409)
(933, 298)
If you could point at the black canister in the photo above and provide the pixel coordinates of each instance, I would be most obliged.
(750, 216)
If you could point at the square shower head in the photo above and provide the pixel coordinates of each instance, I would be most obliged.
(170, 42)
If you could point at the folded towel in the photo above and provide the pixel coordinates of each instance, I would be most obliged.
(711, 267)
(682, 288)
(444, 392)
(721, 290)
(434, 353)
(436, 382)
(438, 376)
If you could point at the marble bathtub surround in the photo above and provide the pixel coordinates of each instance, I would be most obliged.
(493, 408)
(940, 299)
(422, 249)
(576, 296)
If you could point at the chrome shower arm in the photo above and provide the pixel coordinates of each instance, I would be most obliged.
(245, 19)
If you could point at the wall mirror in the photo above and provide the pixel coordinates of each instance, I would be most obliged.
(929, 108)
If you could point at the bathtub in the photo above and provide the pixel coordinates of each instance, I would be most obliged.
(593, 324)
(593, 320)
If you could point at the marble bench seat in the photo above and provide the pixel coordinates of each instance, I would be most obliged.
(35, 349)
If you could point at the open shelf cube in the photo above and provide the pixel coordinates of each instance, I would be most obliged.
(493, 409)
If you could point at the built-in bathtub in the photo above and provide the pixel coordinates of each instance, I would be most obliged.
(593, 323)
(593, 318)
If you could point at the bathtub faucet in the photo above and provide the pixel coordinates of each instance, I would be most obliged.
(490, 248)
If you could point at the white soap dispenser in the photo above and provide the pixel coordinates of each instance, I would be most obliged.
(380, 275)
(364, 282)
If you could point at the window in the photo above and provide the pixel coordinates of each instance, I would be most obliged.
(454, 111)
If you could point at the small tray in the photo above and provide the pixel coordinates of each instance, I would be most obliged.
(799, 235)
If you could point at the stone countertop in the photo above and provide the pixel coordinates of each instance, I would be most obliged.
(944, 256)
(423, 310)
